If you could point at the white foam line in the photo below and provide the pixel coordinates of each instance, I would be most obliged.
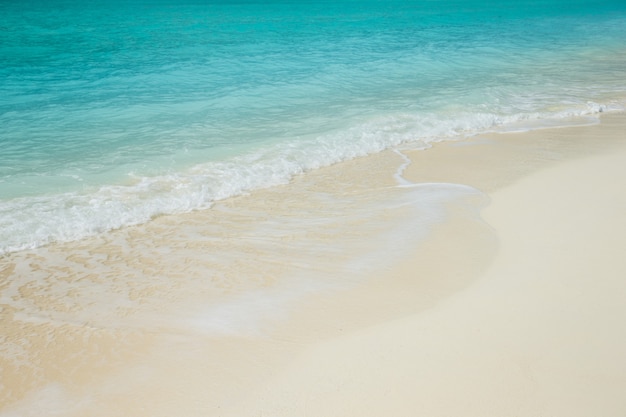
(402, 182)
(30, 222)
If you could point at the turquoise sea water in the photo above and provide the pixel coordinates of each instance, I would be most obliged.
(114, 112)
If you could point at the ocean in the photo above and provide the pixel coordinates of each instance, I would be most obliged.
(114, 113)
(179, 179)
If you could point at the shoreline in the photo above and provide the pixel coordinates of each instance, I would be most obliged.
(76, 233)
(348, 351)
(537, 332)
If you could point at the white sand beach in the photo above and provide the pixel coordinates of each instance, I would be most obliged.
(512, 306)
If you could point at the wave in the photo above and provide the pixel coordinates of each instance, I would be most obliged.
(30, 222)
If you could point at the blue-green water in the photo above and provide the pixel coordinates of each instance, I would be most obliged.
(112, 113)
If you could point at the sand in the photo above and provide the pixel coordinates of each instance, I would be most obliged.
(512, 306)
(540, 333)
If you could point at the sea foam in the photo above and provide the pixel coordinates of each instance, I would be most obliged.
(29, 222)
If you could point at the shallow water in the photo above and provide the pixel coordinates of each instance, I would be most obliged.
(80, 317)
